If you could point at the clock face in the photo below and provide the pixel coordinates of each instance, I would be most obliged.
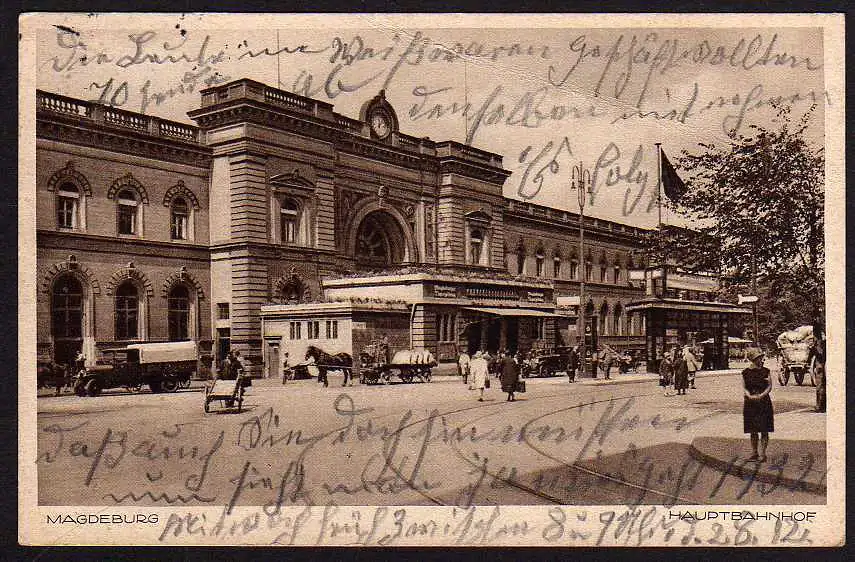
(380, 124)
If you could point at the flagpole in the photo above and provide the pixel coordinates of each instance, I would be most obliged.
(661, 241)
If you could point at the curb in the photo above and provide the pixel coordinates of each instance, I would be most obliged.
(751, 470)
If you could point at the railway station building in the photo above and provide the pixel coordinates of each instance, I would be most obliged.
(273, 223)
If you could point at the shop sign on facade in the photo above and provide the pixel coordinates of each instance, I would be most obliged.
(536, 296)
(445, 291)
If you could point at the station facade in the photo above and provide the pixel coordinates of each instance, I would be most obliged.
(275, 223)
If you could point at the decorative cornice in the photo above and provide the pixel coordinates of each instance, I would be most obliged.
(127, 142)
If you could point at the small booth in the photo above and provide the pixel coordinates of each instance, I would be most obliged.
(680, 309)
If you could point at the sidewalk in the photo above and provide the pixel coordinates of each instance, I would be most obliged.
(792, 461)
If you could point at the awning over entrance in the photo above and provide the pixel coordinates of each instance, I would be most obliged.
(512, 311)
(683, 305)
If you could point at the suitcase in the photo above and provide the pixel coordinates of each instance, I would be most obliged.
(520, 386)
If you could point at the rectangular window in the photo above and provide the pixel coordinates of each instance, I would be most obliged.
(179, 226)
(539, 266)
(295, 330)
(332, 329)
(617, 275)
(222, 311)
(66, 212)
(127, 219)
(314, 328)
(589, 271)
(289, 229)
(603, 270)
(574, 270)
(557, 269)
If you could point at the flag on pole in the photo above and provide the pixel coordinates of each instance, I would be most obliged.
(671, 182)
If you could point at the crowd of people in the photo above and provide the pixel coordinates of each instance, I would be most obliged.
(677, 370)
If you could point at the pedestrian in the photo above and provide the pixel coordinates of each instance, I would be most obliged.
(286, 369)
(666, 373)
(692, 364)
(384, 349)
(819, 366)
(510, 376)
(463, 366)
(608, 357)
(758, 417)
(681, 372)
(572, 363)
(226, 366)
(478, 370)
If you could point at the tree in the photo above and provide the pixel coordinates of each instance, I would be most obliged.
(756, 204)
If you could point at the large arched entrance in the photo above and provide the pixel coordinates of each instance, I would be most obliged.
(380, 241)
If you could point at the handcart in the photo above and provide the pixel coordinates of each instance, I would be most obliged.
(229, 392)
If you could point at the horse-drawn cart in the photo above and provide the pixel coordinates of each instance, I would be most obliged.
(797, 349)
(408, 364)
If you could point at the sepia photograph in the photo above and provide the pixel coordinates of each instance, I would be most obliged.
(426, 280)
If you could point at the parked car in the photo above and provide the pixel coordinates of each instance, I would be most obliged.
(160, 366)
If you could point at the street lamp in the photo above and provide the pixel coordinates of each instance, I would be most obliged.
(580, 180)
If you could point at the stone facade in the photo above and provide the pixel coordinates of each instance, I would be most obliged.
(281, 194)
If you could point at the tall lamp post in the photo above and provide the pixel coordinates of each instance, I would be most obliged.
(580, 180)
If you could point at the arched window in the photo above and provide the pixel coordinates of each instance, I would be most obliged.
(538, 263)
(603, 272)
(617, 328)
(556, 266)
(589, 270)
(180, 223)
(476, 246)
(574, 269)
(68, 206)
(289, 221)
(67, 308)
(617, 274)
(127, 212)
(604, 319)
(178, 306)
(127, 311)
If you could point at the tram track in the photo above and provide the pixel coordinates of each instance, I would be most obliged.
(520, 486)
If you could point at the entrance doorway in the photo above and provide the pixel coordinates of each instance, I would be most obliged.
(273, 363)
(494, 334)
(67, 319)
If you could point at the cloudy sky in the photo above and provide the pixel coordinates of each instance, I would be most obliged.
(546, 94)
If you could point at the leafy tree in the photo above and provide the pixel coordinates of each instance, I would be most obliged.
(756, 204)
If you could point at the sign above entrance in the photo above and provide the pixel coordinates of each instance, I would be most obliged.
(445, 291)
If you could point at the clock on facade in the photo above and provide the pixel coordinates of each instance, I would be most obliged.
(381, 123)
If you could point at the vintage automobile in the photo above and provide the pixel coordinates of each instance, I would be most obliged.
(161, 366)
(545, 362)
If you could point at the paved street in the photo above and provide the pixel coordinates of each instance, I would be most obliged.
(581, 443)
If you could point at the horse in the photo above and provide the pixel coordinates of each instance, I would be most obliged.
(324, 361)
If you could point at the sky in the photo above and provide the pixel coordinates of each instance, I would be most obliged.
(547, 94)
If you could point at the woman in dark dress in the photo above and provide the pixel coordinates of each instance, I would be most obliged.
(681, 372)
(757, 414)
(510, 375)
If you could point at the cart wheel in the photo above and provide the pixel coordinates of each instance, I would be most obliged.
(427, 376)
(170, 385)
(93, 388)
(544, 371)
(386, 376)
